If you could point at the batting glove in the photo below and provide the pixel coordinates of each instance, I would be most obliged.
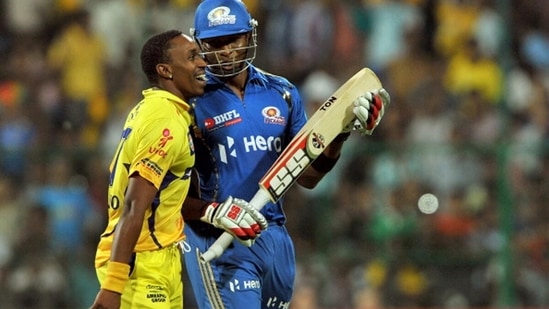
(369, 109)
(237, 217)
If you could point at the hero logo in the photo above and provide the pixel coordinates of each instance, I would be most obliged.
(224, 149)
(251, 144)
(237, 285)
(274, 302)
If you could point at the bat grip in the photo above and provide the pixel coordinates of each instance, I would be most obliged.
(218, 247)
(260, 199)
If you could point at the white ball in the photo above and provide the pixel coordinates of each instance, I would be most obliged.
(428, 203)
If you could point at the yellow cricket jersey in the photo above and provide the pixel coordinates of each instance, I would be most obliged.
(155, 143)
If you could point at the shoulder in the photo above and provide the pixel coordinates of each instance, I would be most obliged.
(280, 84)
(272, 79)
(158, 110)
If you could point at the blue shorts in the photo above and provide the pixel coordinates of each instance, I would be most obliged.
(261, 276)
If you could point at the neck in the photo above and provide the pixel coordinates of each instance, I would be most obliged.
(237, 84)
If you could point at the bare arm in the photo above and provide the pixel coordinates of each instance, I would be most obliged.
(324, 163)
(193, 208)
(138, 199)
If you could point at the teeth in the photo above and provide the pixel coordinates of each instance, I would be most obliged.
(202, 77)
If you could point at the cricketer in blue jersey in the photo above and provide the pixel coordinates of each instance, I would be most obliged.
(244, 120)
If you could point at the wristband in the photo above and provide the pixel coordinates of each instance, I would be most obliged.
(117, 277)
(323, 164)
(208, 212)
(341, 137)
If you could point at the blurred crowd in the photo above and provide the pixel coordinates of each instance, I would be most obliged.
(468, 122)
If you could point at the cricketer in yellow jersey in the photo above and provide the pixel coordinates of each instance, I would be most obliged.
(138, 261)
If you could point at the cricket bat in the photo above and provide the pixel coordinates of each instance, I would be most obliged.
(319, 131)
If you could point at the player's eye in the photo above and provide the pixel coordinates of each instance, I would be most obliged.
(231, 41)
(194, 56)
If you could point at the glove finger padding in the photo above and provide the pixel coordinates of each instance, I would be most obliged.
(369, 109)
(256, 220)
(240, 231)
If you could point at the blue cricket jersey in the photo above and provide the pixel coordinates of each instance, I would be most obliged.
(238, 140)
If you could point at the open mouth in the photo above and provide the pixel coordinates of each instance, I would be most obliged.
(202, 77)
(226, 65)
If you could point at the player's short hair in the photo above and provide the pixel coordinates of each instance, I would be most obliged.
(155, 51)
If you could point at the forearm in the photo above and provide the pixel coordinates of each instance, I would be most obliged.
(333, 150)
(324, 163)
(125, 238)
(193, 208)
(139, 196)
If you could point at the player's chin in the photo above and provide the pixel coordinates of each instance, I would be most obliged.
(228, 69)
(196, 89)
(225, 71)
(199, 84)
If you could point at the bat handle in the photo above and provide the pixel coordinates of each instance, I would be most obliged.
(260, 199)
(218, 247)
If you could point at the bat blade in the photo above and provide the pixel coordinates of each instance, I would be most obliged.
(319, 131)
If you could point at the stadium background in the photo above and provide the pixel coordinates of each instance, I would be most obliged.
(468, 122)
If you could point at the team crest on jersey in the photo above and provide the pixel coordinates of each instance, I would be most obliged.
(271, 115)
(220, 16)
(222, 120)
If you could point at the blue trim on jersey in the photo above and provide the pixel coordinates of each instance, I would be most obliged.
(238, 140)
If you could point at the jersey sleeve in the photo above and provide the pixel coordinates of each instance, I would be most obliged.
(160, 143)
(298, 116)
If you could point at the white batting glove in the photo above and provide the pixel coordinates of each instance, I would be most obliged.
(354, 125)
(237, 217)
(369, 109)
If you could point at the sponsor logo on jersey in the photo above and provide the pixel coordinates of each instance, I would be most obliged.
(227, 149)
(242, 285)
(222, 120)
(151, 166)
(220, 16)
(271, 115)
(166, 137)
(251, 143)
(274, 302)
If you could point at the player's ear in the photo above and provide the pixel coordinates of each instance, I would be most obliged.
(164, 70)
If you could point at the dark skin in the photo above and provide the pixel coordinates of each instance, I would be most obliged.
(193, 207)
(179, 77)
